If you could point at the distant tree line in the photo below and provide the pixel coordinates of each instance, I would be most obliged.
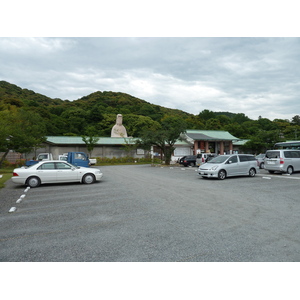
(95, 114)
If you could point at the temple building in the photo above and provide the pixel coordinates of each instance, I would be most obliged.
(213, 141)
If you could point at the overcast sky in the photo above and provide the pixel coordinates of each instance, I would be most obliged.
(254, 76)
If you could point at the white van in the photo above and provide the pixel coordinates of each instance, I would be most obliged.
(284, 161)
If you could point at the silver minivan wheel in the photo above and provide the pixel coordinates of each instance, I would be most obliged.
(33, 181)
(290, 170)
(252, 172)
(262, 165)
(222, 174)
(88, 179)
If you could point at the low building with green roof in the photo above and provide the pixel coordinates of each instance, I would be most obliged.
(213, 141)
(105, 147)
(190, 142)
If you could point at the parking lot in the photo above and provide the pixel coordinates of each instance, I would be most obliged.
(141, 213)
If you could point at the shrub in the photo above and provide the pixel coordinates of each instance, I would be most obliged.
(125, 160)
(9, 165)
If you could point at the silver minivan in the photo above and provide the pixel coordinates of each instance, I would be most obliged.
(283, 160)
(224, 166)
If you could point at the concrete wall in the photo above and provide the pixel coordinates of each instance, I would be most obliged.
(99, 151)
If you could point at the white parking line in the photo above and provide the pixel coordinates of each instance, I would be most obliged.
(285, 176)
(13, 209)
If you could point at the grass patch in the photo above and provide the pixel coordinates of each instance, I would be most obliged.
(6, 175)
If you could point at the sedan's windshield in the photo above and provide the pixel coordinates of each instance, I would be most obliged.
(219, 159)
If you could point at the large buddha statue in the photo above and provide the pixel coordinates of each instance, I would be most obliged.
(119, 130)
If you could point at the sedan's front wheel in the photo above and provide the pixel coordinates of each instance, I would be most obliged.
(88, 178)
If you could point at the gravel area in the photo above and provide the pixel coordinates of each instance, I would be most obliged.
(154, 214)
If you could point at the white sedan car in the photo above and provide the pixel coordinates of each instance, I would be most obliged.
(55, 171)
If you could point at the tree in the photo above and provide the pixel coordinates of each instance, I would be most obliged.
(129, 145)
(224, 120)
(213, 124)
(90, 139)
(136, 124)
(206, 115)
(163, 136)
(296, 120)
(75, 120)
(240, 118)
(21, 131)
(263, 141)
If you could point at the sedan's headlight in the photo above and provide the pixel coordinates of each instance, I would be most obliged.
(215, 167)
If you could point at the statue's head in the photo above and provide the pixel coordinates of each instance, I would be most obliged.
(119, 119)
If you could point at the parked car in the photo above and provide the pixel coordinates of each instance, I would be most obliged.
(224, 166)
(189, 160)
(210, 157)
(202, 158)
(260, 160)
(283, 161)
(180, 160)
(55, 171)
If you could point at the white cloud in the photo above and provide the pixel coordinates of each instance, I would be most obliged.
(255, 76)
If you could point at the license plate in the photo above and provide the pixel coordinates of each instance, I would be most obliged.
(271, 162)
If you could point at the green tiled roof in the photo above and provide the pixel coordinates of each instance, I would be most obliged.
(77, 140)
(240, 142)
(207, 135)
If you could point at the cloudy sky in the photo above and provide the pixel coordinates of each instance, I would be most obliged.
(256, 76)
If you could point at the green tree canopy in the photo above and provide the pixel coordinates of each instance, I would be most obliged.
(21, 131)
(163, 136)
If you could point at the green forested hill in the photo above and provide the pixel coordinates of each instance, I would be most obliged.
(97, 112)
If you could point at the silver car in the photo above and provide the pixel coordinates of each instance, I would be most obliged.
(283, 161)
(260, 160)
(224, 166)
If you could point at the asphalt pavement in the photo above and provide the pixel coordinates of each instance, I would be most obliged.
(141, 213)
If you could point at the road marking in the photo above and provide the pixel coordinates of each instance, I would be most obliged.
(12, 209)
(279, 176)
